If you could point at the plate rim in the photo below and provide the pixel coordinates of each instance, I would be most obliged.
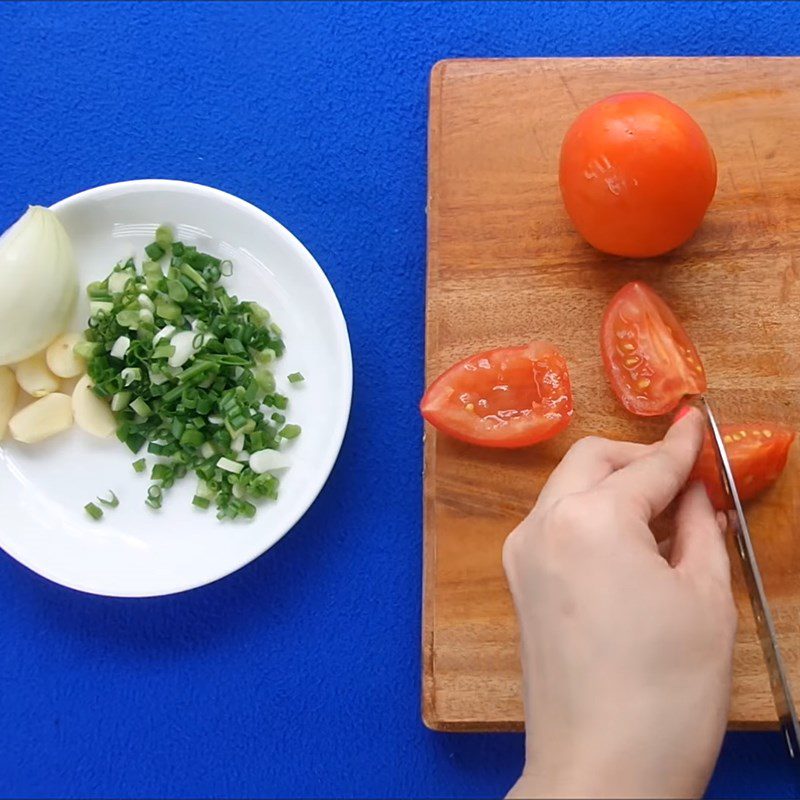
(338, 432)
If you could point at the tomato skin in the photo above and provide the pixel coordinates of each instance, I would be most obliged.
(757, 453)
(649, 358)
(637, 175)
(508, 397)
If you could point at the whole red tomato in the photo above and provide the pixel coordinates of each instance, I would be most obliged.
(637, 174)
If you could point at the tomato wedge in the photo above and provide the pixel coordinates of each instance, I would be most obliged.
(757, 453)
(509, 397)
(649, 358)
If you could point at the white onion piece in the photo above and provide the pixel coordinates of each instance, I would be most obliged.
(120, 348)
(184, 344)
(39, 281)
(268, 461)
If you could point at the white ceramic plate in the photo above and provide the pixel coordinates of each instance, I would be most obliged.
(134, 551)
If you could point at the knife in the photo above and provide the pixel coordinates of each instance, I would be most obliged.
(781, 692)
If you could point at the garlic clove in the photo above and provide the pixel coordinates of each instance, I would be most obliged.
(42, 419)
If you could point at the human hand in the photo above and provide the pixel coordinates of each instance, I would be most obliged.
(626, 646)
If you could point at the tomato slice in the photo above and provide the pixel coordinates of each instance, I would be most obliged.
(649, 358)
(509, 397)
(757, 452)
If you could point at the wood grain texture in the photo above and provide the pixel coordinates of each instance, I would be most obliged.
(505, 266)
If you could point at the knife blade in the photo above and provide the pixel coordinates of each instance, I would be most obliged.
(781, 691)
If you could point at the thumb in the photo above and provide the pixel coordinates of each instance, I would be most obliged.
(699, 543)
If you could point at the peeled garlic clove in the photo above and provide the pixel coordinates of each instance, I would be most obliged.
(34, 377)
(8, 398)
(42, 419)
(91, 413)
(61, 358)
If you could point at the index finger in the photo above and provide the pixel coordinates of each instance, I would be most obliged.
(587, 463)
(653, 481)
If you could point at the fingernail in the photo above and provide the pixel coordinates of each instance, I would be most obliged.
(682, 412)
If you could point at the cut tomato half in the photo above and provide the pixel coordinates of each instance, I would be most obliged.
(757, 453)
(508, 397)
(649, 358)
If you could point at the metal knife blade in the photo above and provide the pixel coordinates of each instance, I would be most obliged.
(781, 691)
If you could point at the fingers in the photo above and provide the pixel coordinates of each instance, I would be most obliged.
(654, 481)
(588, 462)
(699, 541)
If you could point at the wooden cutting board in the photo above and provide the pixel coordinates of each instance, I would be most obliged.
(505, 266)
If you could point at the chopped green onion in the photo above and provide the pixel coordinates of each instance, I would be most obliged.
(177, 291)
(120, 347)
(290, 431)
(230, 466)
(201, 502)
(117, 281)
(113, 502)
(164, 351)
(86, 350)
(129, 318)
(154, 497)
(93, 511)
(120, 401)
(234, 346)
(192, 438)
(154, 251)
(139, 405)
(131, 375)
(207, 411)
(168, 310)
(259, 313)
(164, 237)
(194, 276)
(161, 472)
(99, 307)
(296, 377)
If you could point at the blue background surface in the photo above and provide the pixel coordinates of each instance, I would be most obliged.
(299, 675)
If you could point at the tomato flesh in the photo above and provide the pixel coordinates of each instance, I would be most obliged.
(508, 397)
(649, 358)
(636, 174)
(757, 454)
